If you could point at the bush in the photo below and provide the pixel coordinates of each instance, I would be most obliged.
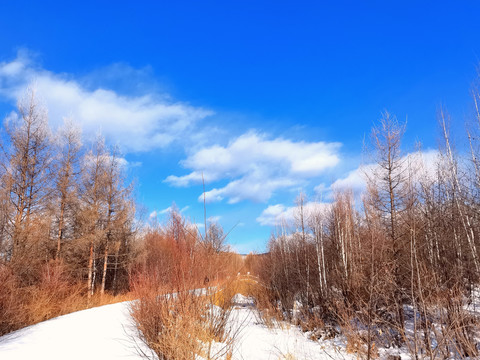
(180, 324)
(54, 295)
(12, 316)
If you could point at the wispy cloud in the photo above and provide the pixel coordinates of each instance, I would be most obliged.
(135, 122)
(253, 166)
(280, 214)
(423, 165)
(156, 213)
(256, 166)
(214, 219)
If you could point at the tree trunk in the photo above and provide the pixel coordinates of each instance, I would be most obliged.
(90, 271)
(105, 264)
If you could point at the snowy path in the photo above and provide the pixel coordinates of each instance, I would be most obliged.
(104, 332)
(107, 332)
(257, 342)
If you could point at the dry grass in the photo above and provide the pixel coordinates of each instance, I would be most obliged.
(355, 344)
(53, 295)
(224, 293)
(181, 324)
(11, 299)
(250, 287)
(287, 356)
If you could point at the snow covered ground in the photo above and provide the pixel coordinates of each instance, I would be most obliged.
(257, 342)
(107, 332)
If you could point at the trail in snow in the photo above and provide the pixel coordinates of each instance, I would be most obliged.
(257, 342)
(107, 332)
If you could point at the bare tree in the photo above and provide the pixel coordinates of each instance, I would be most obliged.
(343, 232)
(93, 201)
(215, 238)
(317, 223)
(389, 180)
(117, 214)
(67, 173)
(451, 173)
(27, 168)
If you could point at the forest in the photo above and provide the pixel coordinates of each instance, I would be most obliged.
(395, 266)
(67, 219)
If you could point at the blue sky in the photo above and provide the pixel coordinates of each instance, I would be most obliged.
(265, 98)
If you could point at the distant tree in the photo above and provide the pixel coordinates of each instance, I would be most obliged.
(215, 239)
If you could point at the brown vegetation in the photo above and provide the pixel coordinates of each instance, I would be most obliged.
(408, 254)
(405, 252)
(184, 297)
(66, 220)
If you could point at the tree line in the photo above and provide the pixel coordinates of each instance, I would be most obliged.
(67, 214)
(69, 234)
(397, 265)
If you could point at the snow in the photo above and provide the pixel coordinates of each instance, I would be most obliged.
(257, 342)
(107, 332)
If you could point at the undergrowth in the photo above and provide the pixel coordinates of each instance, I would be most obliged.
(182, 324)
(54, 294)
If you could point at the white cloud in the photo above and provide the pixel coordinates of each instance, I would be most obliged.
(320, 189)
(256, 166)
(272, 215)
(249, 187)
(355, 179)
(280, 214)
(183, 181)
(90, 159)
(136, 123)
(134, 164)
(423, 165)
(167, 210)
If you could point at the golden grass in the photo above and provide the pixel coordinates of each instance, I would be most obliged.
(248, 286)
(185, 325)
(52, 296)
(224, 293)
